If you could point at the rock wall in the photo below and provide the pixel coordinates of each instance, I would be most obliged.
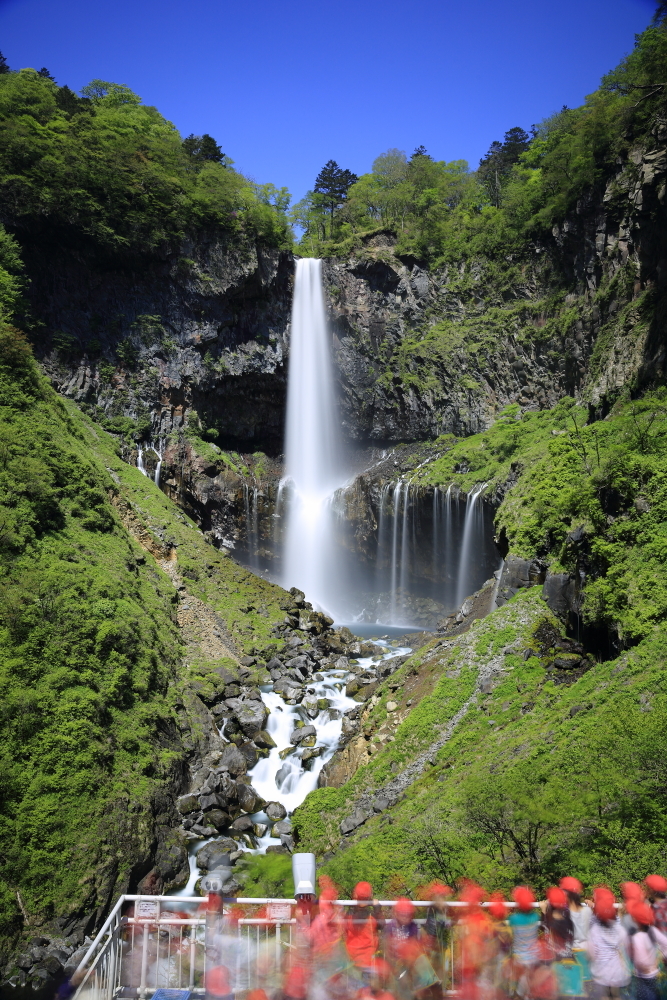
(203, 328)
(423, 353)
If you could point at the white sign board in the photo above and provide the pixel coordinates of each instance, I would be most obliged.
(280, 912)
(147, 909)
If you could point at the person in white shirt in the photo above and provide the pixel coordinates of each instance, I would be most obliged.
(645, 943)
(607, 948)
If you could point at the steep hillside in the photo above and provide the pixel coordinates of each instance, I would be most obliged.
(116, 616)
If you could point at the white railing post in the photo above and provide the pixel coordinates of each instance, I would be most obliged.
(144, 962)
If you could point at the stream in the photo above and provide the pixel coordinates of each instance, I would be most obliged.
(288, 779)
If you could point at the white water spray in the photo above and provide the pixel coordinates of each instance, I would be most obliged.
(465, 571)
(313, 451)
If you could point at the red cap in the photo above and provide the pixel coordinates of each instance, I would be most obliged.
(217, 981)
(404, 908)
(643, 914)
(557, 898)
(437, 889)
(571, 884)
(603, 903)
(656, 883)
(523, 897)
(497, 907)
(472, 894)
(363, 890)
(632, 892)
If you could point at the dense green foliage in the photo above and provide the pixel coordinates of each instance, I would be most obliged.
(114, 170)
(91, 661)
(87, 648)
(538, 778)
(441, 212)
(608, 478)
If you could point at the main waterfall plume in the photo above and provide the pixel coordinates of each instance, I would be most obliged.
(313, 449)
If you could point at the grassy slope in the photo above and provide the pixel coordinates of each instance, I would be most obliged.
(567, 764)
(589, 783)
(90, 654)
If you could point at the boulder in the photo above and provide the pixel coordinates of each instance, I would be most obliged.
(282, 826)
(264, 741)
(242, 825)
(275, 810)
(357, 818)
(233, 760)
(232, 691)
(248, 798)
(299, 735)
(277, 849)
(274, 664)
(187, 804)
(251, 717)
(309, 755)
(215, 853)
(288, 688)
(250, 753)
(218, 818)
(213, 801)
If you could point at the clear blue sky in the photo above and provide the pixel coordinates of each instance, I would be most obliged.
(285, 86)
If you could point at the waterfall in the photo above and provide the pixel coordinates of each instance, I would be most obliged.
(313, 451)
(158, 467)
(464, 573)
(140, 461)
(251, 523)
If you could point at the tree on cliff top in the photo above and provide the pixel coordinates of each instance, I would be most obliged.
(333, 183)
(203, 148)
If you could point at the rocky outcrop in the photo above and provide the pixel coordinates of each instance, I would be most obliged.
(201, 328)
(204, 329)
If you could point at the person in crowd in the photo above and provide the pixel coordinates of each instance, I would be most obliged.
(439, 928)
(379, 977)
(328, 956)
(646, 942)
(558, 930)
(524, 923)
(406, 951)
(632, 895)
(496, 984)
(362, 929)
(656, 887)
(607, 948)
(580, 915)
(474, 931)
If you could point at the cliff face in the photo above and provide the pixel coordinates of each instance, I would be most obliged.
(424, 353)
(203, 333)
(200, 329)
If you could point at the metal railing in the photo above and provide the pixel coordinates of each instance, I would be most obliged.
(149, 943)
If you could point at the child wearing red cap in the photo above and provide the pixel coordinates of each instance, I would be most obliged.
(607, 948)
(657, 893)
(413, 972)
(362, 925)
(645, 943)
(581, 916)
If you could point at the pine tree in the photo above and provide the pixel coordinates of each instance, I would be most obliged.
(333, 183)
(4, 66)
(203, 148)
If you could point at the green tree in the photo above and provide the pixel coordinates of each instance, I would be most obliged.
(4, 65)
(496, 165)
(333, 183)
(203, 148)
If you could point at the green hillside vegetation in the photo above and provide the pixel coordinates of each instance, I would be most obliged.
(91, 661)
(109, 170)
(608, 478)
(442, 213)
(538, 778)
